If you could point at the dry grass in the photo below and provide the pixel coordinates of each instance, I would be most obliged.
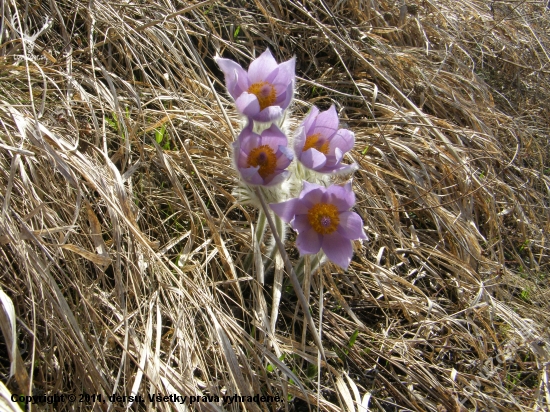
(123, 250)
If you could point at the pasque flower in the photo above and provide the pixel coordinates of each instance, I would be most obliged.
(323, 220)
(320, 145)
(265, 91)
(262, 158)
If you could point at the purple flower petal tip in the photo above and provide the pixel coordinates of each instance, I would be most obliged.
(285, 210)
(338, 249)
(313, 159)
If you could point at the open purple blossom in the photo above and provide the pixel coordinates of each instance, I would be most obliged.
(265, 91)
(262, 158)
(323, 220)
(320, 145)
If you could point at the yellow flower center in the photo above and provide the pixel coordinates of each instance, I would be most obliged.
(265, 92)
(323, 218)
(316, 142)
(265, 158)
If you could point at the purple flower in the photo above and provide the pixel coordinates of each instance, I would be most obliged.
(265, 91)
(262, 158)
(320, 145)
(323, 220)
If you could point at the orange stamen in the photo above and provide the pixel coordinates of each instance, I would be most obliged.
(265, 158)
(323, 218)
(265, 92)
(316, 142)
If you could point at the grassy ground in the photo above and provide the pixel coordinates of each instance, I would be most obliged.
(123, 250)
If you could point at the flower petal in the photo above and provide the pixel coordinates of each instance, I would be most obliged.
(309, 122)
(326, 123)
(344, 139)
(236, 79)
(286, 157)
(299, 141)
(273, 137)
(287, 210)
(286, 73)
(309, 242)
(248, 105)
(313, 159)
(338, 156)
(285, 97)
(301, 223)
(250, 175)
(308, 187)
(351, 226)
(340, 196)
(242, 159)
(247, 142)
(269, 114)
(341, 169)
(338, 249)
(313, 197)
(261, 67)
(311, 194)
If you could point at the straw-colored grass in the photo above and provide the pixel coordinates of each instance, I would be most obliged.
(123, 250)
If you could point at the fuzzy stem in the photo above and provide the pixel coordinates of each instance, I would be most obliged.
(259, 232)
(293, 278)
(321, 307)
(280, 225)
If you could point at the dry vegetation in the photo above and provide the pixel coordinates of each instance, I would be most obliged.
(123, 250)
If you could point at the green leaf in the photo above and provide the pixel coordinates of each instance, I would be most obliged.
(311, 371)
(353, 338)
(270, 366)
(113, 122)
(159, 134)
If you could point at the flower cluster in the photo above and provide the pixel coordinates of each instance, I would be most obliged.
(320, 215)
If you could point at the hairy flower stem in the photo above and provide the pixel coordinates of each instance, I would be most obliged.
(293, 277)
(281, 231)
(259, 232)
